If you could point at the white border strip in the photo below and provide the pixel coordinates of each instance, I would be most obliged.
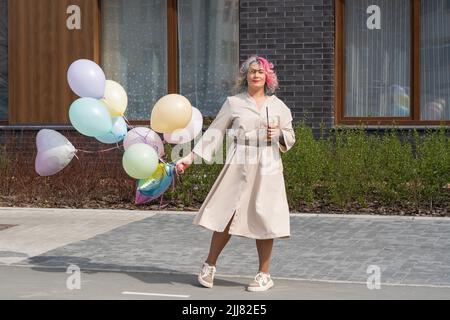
(156, 294)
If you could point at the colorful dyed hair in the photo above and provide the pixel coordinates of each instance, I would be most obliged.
(271, 77)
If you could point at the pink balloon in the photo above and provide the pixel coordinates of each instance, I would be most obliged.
(189, 132)
(144, 135)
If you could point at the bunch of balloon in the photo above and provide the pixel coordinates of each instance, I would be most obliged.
(99, 112)
(179, 122)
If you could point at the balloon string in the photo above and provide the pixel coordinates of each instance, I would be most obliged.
(160, 203)
(177, 174)
(117, 145)
(98, 151)
(178, 179)
(128, 122)
(132, 127)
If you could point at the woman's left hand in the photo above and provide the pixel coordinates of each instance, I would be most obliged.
(273, 133)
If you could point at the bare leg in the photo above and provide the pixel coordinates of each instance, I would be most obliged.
(218, 242)
(264, 252)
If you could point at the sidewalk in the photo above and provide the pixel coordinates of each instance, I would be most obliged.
(329, 248)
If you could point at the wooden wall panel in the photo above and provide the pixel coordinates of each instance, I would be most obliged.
(41, 48)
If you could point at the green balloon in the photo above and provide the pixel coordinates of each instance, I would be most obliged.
(140, 161)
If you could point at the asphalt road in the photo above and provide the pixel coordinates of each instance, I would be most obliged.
(44, 283)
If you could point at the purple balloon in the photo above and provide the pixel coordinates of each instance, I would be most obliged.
(141, 199)
(86, 79)
(52, 161)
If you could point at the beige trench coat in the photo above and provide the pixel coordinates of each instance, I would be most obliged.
(250, 188)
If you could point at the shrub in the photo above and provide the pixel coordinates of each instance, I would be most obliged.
(349, 169)
(432, 167)
(305, 166)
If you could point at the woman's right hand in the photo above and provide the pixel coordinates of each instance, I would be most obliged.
(185, 162)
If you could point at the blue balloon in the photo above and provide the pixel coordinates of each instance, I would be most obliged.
(117, 133)
(90, 117)
(156, 187)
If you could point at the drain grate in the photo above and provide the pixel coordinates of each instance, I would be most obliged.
(6, 226)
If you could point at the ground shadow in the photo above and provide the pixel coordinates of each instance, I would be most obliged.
(146, 274)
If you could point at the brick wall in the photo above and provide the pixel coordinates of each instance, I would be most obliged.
(20, 145)
(298, 37)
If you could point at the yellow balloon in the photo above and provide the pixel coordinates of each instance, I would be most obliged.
(115, 98)
(171, 112)
(159, 171)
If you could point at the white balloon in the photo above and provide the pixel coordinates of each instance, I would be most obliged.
(54, 152)
(189, 132)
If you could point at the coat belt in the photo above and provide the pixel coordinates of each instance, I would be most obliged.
(255, 143)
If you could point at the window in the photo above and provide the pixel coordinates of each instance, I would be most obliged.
(3, 60)
(377, 62)
(134, 51)
(155, 47)
(208, 51)
(435, 60)
(392, 63)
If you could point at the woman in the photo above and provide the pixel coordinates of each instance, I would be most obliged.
(249, 196)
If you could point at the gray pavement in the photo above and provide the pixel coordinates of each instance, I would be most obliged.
(156, 255)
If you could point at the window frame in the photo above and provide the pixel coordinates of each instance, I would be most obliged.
(339, 75)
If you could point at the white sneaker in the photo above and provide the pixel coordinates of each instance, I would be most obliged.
(262, 282)
(206, 275)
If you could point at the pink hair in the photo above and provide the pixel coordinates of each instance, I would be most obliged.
(271, 77)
